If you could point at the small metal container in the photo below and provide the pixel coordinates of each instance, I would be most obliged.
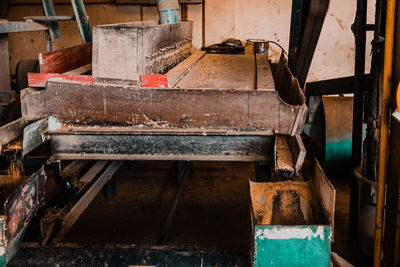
(260, 46)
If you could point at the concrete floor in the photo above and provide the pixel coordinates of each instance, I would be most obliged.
(214, 211)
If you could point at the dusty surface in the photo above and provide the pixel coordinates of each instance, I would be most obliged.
(213, 212)
(284, 158)
(268, 198)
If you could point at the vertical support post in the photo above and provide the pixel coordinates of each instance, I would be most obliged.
(5, 83)
(384, 129)
(203, 24)
(360, 39)
(295, 33)
(49, 10)
(82, 20)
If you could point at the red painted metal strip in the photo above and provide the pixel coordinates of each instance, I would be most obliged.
(40, 79)
(154, 80)
(67, 59)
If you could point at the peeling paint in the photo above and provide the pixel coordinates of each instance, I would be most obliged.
(53, 123)
(290, 233)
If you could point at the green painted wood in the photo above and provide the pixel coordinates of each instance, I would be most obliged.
(302, 245)
(82, 20)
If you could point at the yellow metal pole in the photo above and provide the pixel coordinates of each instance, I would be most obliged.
(398, 98)
(384, 129)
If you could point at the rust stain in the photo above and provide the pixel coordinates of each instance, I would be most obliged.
(340, 22)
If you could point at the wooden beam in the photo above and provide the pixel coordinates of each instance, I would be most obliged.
(67, 59)
(251, 110)
(283, 157)
(40, 79)
(12, 131)
(74, 169)
(298, 152)
(92, 172)
(72, 216)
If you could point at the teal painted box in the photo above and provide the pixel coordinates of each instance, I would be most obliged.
(292, 221)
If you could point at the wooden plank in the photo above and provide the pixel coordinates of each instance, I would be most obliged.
(67, 59)
(21, 26)
(92, 172)
(154, 80)
(179, 71)
(73, 170)
(298, 152)
(215, 71)
(72, 216)
(12, 131)
(33, 136)
(161, 108)
(325, 192)
(283, 157)
(81, 70)
(33, 104)
(40, 79)
(265, 80)
(124, 51)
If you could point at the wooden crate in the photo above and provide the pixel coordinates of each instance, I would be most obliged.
(292, 221)
(122, 52)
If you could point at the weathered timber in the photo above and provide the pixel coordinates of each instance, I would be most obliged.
(127, 255)
(161, 147)
(298, 152)
(40, 79)
(34, 136)
(179, 71)
(265, 80)
(283, 157)
(293, 220)
(163, 108)
(70, 218)
(122, 52)
(325, 192)
(12, 131)
(184, 172)
(66, 59)
(74, 169)
(91, 173)
(216, 71)
(21, 26)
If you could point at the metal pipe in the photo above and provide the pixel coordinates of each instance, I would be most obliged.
(359, 176)
(359, 75)
(384, 129)
(168, 10)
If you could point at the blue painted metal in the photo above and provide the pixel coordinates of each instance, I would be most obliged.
(169, 11)
(82, 20)
(302, 245)
(169, 16)
(49, 10)
(33, 136)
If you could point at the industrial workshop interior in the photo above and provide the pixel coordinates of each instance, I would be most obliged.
(200, 133)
